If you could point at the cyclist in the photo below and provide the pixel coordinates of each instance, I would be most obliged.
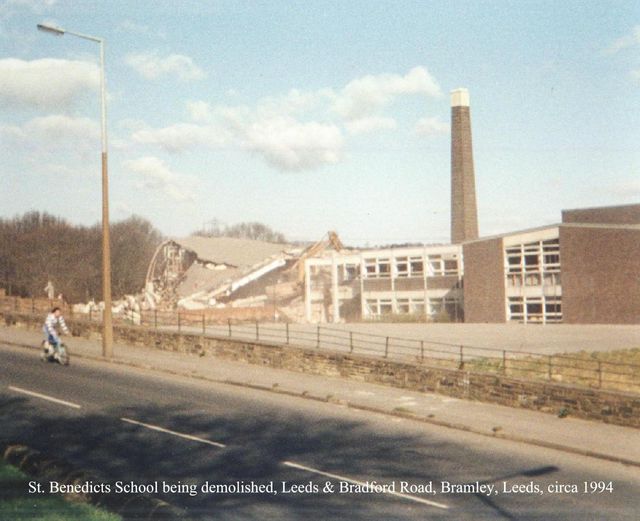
(54, 319)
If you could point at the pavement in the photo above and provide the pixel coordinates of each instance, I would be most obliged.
(600, 440)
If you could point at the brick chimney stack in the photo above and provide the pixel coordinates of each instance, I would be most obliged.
(464, 213)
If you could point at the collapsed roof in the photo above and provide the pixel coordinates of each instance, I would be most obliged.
(202, 268)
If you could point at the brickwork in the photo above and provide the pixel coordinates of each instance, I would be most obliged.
(444, 282)
(409, 284)
(624, 214)
(600, 275)
(593, 404)
(376, 284)
(484, 292)
(464, 214)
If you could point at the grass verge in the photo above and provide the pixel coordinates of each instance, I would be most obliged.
(16, 504)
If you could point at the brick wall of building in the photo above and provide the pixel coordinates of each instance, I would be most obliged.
(625, 214)
(484, 292)
(444, 282)
(600, 275)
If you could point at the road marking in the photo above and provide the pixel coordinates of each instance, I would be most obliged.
(362, 483)
(174, 433)
(44, 397)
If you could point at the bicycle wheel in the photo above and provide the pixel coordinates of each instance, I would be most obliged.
(63, 355)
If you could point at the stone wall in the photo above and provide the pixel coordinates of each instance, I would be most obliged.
(593, 404)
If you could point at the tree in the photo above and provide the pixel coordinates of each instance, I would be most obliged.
(245, 230)
(36, 248)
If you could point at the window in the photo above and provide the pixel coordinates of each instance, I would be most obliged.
(535, 309)
(370, 268)
(402, 267)
(377, 268)
(350, 271)
(531, 262)
(435, 265)
(417, 306)
(385, 306)
(384, 268)
(416, 265)
(451, 267)
(402, 305)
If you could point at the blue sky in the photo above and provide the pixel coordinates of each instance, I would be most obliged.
(311, 116)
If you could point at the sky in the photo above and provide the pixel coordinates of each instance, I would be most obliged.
(317, 116)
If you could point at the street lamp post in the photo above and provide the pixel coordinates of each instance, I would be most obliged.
(107, 326)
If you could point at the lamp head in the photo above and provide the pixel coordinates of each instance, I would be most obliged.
(56, 31)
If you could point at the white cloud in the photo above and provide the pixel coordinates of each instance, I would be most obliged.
(636, 75)
(140, 29)
(55, 131)
(10, 7)
(47, 83)
(155, 175)
(431, 127)
(294, 103)
(34, 5)
(628, 189)
(630, 40)
(182, 136)
(290, 145)
(199, 111)
(151, 66)
(298, 130)
(362, 97)
(370, 124)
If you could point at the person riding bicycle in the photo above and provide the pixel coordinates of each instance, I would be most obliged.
(54, 319)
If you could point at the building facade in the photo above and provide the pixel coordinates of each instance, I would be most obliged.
(424, 282)
(585, 270)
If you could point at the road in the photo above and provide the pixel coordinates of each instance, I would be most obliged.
(129, 425)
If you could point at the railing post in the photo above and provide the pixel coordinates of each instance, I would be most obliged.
(229, 324)
(204, 324)
(257, 331)
(90, 314)
(15, 304)
(504, 361)
(422, 350)
(351, 341)
(461, 357)
(33, 306)
(287, 330)
(318, 338)
(550, 367)
(386, 347)
(155, 319)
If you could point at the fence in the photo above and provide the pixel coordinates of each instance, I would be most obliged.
(585, 370)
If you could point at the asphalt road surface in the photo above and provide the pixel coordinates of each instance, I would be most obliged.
(141, 428)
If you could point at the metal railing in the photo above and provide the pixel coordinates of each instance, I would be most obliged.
(585, 370)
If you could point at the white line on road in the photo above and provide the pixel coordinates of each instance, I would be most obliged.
(362, 483)
(44, 397)
(174, 433)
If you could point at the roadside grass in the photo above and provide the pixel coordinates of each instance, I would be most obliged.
(17, 504)
(614, 370)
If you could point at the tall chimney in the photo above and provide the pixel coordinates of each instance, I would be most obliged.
(464, 213)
